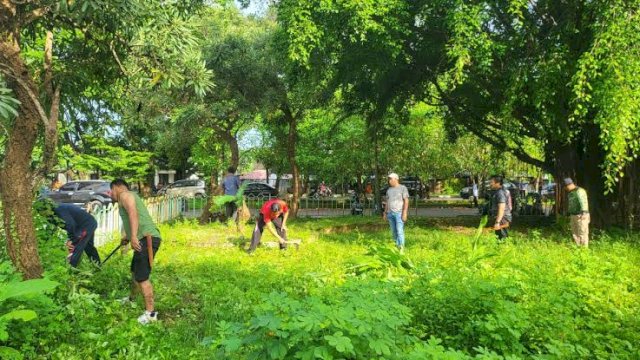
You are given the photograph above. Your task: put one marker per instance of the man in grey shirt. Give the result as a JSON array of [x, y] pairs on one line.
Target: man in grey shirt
[[396, 209], [230, 185], [501, 206]]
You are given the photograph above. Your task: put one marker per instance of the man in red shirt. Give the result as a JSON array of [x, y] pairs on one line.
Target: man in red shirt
[[273, 215]]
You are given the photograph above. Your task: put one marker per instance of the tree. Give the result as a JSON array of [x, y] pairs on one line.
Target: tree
[[251, 81], [114, 161], [49, 48], [510, 72]]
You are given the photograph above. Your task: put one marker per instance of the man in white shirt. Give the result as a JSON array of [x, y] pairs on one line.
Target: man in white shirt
[[396, 209]]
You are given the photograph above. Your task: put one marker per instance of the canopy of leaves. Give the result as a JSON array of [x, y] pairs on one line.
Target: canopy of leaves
[[114, 161], [509, 71]]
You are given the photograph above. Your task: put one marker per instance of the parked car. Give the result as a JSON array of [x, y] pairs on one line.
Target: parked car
[[466, 191], [260, 189], [90, 193], [414, 185], [187, 188], [548, 191]]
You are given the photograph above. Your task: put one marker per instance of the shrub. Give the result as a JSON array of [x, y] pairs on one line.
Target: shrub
[[357, 321], [13, 292]]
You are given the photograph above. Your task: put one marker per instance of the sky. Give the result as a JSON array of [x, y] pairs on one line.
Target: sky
[[256, 7]]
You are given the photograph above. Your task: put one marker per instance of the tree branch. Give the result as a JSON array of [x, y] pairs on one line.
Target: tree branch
[[477, 125], [51, 134], [48, 64], [33, 15], [32, 96], [9, 6], [117, 58]]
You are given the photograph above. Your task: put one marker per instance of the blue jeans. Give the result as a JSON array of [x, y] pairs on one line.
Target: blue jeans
[[397, 227]]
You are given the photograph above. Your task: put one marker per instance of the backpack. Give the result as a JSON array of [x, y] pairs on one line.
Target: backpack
[[509, 205]]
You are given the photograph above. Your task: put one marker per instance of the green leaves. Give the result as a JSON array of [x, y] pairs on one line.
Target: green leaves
[[383, 262], [19, 291], [8, 104], [340, 342], [357, 320], [527, 301], [23, 315], [115, 161], [606, 88], [380, 346], [24, 288]]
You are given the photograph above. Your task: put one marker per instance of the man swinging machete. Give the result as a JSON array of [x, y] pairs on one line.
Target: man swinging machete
[[144, 236]]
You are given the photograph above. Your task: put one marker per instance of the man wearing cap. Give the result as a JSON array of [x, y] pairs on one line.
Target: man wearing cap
[[396, 209], [578, 212], [273, 215]]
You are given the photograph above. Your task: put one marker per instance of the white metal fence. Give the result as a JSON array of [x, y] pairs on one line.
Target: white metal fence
[[161, 209]]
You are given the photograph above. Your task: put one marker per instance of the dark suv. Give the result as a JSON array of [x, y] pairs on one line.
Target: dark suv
[[260, 189], [91, 193]]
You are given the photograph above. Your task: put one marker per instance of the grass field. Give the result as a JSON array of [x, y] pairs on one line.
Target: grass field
[[346, 294]]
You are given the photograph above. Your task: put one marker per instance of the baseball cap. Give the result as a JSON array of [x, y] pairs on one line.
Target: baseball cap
[[393, 176], [568, 181]]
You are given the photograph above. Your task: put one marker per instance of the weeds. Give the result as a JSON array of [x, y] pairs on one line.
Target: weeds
[[347, 294]]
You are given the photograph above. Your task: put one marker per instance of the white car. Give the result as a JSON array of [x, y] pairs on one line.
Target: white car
[[186, 188]]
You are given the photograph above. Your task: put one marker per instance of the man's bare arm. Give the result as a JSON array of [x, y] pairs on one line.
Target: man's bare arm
[[272, 229], [129, 203]]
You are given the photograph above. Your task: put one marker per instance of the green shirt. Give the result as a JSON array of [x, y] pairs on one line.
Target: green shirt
[[146, 226], [578, 202]]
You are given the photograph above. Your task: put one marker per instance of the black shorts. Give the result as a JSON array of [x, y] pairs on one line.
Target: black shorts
[[140, 262]]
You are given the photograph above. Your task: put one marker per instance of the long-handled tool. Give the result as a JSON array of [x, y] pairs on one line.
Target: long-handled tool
[[111, 254]]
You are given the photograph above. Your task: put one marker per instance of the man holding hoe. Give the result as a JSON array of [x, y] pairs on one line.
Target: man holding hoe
[[145, 240], [273, 215]]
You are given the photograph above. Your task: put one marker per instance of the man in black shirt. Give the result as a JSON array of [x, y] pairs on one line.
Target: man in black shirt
[[500, 207], [80, 227]]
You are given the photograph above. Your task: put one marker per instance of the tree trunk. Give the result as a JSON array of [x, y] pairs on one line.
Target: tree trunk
[[16, 177], [580, 161], [291, 156], [378, 172], [591, 179], [564, 167], [629, 196], [277, 184], [206, 215], [232, 141]]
